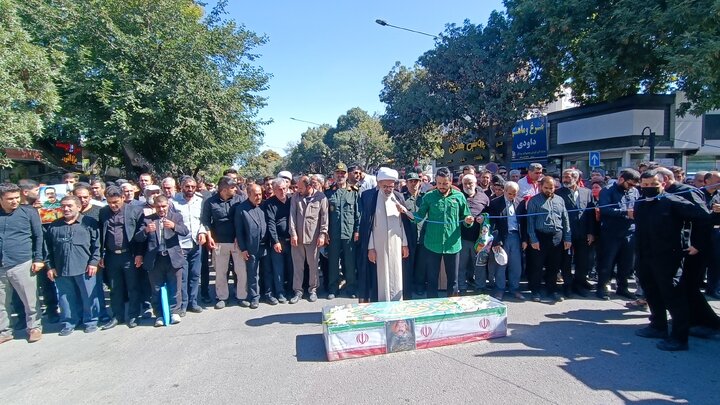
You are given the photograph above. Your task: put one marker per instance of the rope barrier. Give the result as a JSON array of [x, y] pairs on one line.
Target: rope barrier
[[615, 205]]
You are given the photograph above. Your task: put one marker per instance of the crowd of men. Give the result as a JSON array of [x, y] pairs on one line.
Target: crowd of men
[[371, 237]]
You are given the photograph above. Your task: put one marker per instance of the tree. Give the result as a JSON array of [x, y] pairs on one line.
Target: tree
[[311, 154], [408, 115], [359, 138], [605, 49], [28, 98], [154, 76], [265, 164], [476, 83]]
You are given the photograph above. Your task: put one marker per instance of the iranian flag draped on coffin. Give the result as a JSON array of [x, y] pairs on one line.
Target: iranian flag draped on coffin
[[358, 330]]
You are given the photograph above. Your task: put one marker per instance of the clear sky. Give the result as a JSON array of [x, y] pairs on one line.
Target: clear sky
[[329, 56]]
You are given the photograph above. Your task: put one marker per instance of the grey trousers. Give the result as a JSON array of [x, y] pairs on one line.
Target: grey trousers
[[300, 254], [18, 277]]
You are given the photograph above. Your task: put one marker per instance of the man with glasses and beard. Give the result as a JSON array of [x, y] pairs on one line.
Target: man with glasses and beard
[[308, 233], [617, 234], [189, 204]]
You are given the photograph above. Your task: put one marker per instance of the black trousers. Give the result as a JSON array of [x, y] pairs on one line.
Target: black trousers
[[620, 251], [205, 272], [452, 264], [124, 285], [701, 313], [581, 257], [657, 278], [548, 257], [165, 274]]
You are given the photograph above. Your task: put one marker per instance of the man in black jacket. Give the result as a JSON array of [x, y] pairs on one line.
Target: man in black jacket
[[617, 230], [659, 219], [697, 246], [164, 258], [507, 234], [121, 257], [581, 213], [21, 255], [73, 253], [277, 211]]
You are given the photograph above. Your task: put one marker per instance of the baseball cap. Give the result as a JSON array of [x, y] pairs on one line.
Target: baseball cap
[[341, 167], [412, 176]]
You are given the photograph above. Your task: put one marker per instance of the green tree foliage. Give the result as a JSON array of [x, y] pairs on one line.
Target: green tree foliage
[[407, 115], [358, 138], [605, 49], [155, 76], [476, 83], [28, 97], [310, 154], [267, 163]]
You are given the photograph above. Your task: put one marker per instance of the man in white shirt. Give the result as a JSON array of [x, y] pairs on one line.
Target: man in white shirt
[[529, 185], [189, 204]]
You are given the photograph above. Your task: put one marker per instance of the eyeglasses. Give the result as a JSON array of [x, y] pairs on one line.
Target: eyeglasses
[[502, 173]]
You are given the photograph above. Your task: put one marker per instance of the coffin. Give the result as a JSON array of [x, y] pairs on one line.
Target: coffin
[[358, 330]]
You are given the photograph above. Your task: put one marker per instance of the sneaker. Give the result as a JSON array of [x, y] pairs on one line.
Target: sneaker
[[196, 309], [519, 296], [147, 314], [557, 297], [159, 322], [536, 297], [498, 296], [182, 313], [281, 299], [220, 304], [296, 297], [66, 331], [331, 296], [271, 300], [34, 335], [175, 318], [91, 329], [254, 305], [244, 303], [651, 333], [312, 297]]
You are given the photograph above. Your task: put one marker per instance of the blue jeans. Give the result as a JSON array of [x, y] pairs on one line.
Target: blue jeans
[[191, 277], [512, 247], [78, 300]]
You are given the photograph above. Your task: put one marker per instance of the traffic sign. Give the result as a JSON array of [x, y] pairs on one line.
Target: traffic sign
[[594, 159]]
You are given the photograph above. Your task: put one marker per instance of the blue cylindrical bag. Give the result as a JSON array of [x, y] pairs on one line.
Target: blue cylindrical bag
[[165, 305]]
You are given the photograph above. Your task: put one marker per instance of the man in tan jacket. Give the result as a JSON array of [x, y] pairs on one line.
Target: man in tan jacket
[[308, 233]]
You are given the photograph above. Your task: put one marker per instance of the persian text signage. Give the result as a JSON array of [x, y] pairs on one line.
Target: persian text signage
[[530, 139]]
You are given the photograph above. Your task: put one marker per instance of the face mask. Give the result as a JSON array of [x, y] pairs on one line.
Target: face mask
[[650, 192]]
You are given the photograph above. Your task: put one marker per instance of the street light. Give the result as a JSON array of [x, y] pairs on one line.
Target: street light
[[650, 141], [308, 122], [385, 24]]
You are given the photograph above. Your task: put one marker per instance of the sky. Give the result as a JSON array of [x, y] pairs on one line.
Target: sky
[[326, 57]]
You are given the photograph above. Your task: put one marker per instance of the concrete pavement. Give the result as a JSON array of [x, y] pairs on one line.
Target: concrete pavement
[[576, 351]]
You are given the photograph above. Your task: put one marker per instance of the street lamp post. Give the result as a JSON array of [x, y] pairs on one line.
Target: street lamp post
[[650, 141], [385, 24], [307, 122]]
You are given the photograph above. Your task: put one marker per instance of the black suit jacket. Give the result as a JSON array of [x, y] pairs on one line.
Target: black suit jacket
[[499, 226], [172, 240], [133, 218], [581, 214], [251, 229]]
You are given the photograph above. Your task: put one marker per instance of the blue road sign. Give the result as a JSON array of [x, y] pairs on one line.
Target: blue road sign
[[594, 159]]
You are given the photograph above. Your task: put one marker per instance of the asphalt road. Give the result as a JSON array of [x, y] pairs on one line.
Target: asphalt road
[[573, 352]]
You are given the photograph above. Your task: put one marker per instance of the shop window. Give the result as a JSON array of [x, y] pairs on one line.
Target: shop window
[[711, 127]]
